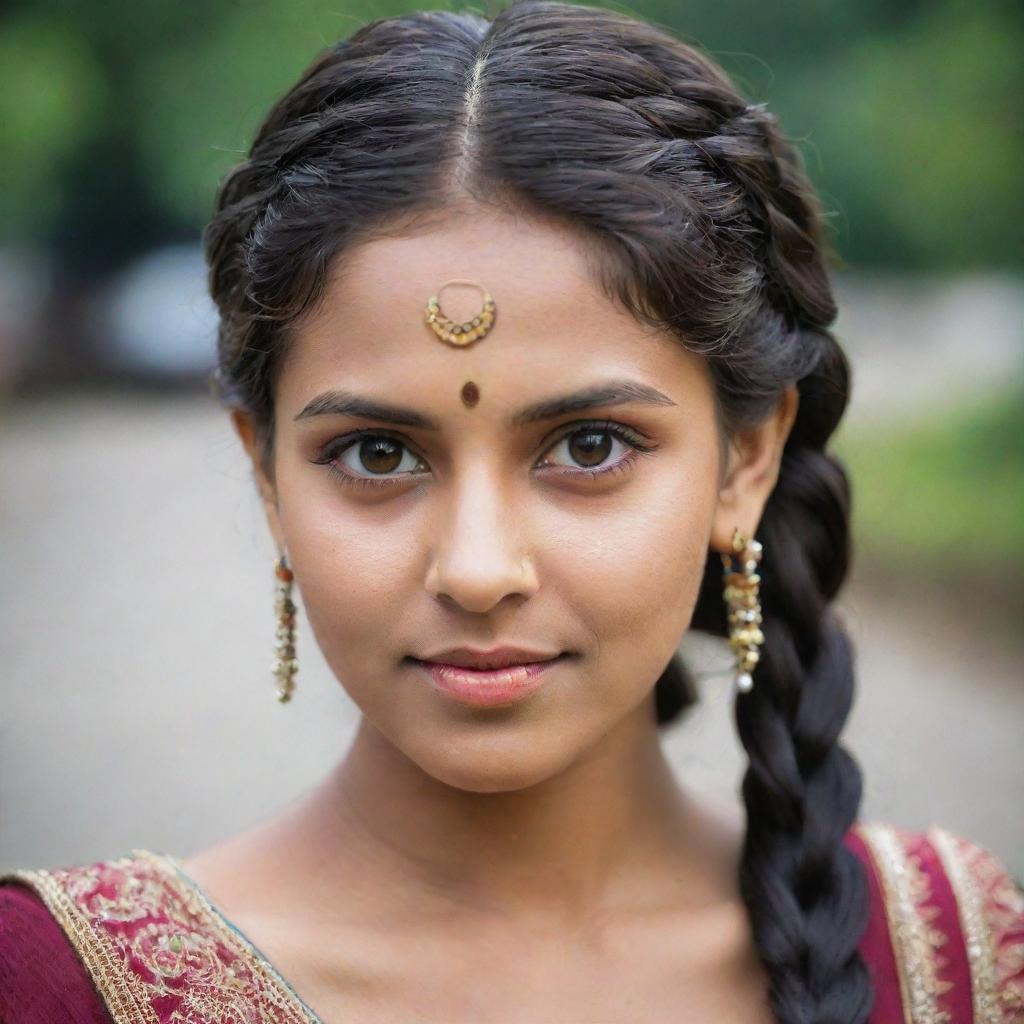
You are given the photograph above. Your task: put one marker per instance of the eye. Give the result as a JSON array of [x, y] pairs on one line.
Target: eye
[[375, 459], [369, 458], [588, 448]]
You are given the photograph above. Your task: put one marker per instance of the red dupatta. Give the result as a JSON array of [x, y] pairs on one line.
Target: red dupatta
[[944, 944]]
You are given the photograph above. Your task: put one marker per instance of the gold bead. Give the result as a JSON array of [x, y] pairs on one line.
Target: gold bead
[[740, 590]]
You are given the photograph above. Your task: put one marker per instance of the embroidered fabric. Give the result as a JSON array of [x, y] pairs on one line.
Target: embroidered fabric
[[157, 951], [955, 921], [991, 905], [135, 941]]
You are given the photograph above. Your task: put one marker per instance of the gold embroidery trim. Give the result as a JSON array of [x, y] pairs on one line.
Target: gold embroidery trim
[[126, 995], [122, 992], [981, 956], [284, 996], [906, 889]]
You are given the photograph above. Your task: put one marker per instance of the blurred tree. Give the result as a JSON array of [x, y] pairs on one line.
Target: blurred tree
[[117, 120], [921, 137], [52, 96]]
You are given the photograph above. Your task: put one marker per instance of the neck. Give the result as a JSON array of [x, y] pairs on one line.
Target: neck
[[609, 831]]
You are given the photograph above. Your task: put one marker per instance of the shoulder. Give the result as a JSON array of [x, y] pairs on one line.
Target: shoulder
[[42, 978], [143, 935], [952, 915], [61, 930]]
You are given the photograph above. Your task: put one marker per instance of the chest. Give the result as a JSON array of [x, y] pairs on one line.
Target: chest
[[487, 982], [605, 1000]]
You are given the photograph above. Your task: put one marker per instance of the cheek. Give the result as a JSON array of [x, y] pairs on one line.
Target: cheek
[[354, 571], [633, 576]]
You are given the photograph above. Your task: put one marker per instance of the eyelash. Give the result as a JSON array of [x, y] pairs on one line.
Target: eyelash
[[337, 447]]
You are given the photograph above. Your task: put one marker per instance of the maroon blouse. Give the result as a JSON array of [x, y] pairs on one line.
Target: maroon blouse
[[42, 981]]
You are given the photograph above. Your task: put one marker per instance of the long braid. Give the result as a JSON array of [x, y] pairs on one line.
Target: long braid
[[802, 790], [805, 890]]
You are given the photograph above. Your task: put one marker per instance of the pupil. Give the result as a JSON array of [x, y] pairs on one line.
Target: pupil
[[379, 454], [590, 449]]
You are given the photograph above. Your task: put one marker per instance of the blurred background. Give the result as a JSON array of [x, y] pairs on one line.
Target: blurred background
[[136, 591]]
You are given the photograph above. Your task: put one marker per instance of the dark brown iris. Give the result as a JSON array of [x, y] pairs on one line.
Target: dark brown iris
[[380, 454], [590, 448]]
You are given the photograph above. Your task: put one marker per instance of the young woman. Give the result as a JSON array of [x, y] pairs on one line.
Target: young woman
[[525, 328]]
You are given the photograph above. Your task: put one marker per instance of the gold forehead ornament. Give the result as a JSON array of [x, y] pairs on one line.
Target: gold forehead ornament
[[460, 334]]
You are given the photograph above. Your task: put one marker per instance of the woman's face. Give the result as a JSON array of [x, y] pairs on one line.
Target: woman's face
[[581, 533]]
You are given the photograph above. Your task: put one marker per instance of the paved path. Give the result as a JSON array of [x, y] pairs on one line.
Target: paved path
[[136, 707]]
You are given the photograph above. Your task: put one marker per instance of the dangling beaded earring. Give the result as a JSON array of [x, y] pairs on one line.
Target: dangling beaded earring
[[740, 592], [285, 666]]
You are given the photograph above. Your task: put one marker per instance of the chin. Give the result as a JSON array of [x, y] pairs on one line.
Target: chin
[[495, 767]]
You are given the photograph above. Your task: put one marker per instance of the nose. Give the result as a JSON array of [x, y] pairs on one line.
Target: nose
[[478, 556]]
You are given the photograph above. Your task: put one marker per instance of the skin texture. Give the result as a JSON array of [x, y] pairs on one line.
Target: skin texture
[[534, 862]]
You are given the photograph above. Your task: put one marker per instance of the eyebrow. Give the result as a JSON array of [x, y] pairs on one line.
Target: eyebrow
[[615, 392]]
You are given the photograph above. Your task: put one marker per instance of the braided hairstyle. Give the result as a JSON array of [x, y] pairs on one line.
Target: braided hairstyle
[[701, 222]]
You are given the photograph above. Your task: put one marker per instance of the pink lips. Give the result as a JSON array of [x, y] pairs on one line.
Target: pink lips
[[488, 687]]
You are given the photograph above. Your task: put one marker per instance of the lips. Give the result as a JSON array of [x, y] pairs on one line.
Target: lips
[[490, 687], [496, 658]]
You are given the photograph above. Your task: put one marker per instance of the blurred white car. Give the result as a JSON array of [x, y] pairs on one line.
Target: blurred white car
[[159, 318]]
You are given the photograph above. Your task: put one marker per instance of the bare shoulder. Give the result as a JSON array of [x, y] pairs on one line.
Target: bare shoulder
[[234, 871]]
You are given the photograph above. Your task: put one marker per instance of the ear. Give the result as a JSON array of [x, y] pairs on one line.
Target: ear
[[755, 456], [246, 430]]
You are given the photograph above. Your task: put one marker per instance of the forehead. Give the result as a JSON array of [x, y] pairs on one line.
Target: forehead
[[553, 325]]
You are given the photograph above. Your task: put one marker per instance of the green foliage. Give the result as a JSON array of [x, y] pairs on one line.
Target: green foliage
[[921, 139], [948, 490], [117, 120], [51, 97], [204, 101]]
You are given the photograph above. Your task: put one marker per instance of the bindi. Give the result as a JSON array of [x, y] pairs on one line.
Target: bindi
[[470, 394]]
